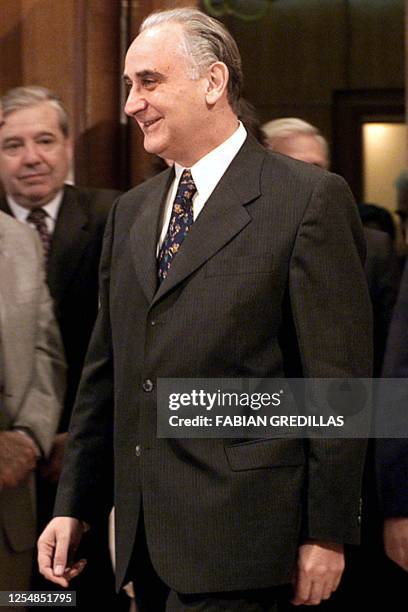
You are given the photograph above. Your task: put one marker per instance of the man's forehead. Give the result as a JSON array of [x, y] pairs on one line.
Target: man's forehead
[[35, 117], [162, 40]]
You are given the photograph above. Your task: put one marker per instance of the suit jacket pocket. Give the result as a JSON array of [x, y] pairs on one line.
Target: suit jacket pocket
[[265, 453], [251, 264]]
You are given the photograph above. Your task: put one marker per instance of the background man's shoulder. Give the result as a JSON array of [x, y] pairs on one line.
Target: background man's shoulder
[[16, 230], [21, 247], [156, 186], [96, 202]]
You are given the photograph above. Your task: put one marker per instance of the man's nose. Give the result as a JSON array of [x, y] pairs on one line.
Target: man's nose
[[31, 153], [134, 103]]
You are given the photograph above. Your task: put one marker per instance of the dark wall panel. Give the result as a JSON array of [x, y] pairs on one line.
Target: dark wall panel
[[302, 51], [376, 44]]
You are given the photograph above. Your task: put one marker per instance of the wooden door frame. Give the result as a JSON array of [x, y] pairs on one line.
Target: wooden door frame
[[351, 109]]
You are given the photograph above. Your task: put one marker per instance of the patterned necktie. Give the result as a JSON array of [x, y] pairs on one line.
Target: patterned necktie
[[180, 222], [37, 217]]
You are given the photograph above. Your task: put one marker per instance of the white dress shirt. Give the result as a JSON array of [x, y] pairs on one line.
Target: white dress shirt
[[206, 173], [21, 213]]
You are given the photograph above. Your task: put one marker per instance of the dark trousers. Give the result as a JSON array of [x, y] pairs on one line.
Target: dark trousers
[[153, 595]]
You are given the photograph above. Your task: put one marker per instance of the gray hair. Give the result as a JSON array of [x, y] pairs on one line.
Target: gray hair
[[290, 126], [207, 41], [25, 97]]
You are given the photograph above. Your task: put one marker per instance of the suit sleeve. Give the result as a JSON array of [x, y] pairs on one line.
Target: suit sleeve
[[85, 489], [332, 316], [43, 402]]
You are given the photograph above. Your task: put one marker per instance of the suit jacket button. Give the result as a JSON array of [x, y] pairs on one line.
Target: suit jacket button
[[148, 385], [138, 450]]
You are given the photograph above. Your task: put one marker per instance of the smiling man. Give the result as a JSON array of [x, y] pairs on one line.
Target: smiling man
[[237, 262]]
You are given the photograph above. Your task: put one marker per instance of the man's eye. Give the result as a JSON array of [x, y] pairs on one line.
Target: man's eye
[[148, 83], [11, 146], [45, 141]]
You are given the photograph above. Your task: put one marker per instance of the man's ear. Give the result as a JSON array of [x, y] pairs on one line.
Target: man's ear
[[217, 80]]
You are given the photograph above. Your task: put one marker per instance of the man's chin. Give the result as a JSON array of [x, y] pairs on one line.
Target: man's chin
[[32, 198], [37, 194], [153, 146]]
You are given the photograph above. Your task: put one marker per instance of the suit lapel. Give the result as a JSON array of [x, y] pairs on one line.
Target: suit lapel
[[223, 217], [144, 235], [4, 206], [71, 235]]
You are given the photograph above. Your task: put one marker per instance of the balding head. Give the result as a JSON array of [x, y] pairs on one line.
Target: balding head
[[298, 139]]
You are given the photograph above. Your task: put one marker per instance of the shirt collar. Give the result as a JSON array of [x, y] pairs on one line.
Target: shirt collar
[[207, 172], [21, 213]]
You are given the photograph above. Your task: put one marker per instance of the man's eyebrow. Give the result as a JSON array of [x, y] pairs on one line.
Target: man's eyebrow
[[158, 76], [10, 138], [37, 135], [45, 133]]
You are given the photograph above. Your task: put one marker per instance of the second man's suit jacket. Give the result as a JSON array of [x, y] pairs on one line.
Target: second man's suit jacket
[[268, 282], [33, 366]]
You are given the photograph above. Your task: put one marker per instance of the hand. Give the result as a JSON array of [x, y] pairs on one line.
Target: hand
[[396, 540], [57, 546], [50, 469], [319, 569], [18, 457]]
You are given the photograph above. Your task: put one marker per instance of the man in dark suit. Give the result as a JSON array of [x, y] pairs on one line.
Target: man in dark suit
[[236, 263], [35, 160], [392, 455], [392, 459]]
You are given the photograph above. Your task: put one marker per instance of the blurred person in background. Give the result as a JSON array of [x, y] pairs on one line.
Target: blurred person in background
[[32, 384], [301, 140], [401, 185], [36, 151], [296, 138], [392, 462]]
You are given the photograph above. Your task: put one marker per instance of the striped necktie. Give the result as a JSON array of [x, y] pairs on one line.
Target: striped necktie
[[37, 217]]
